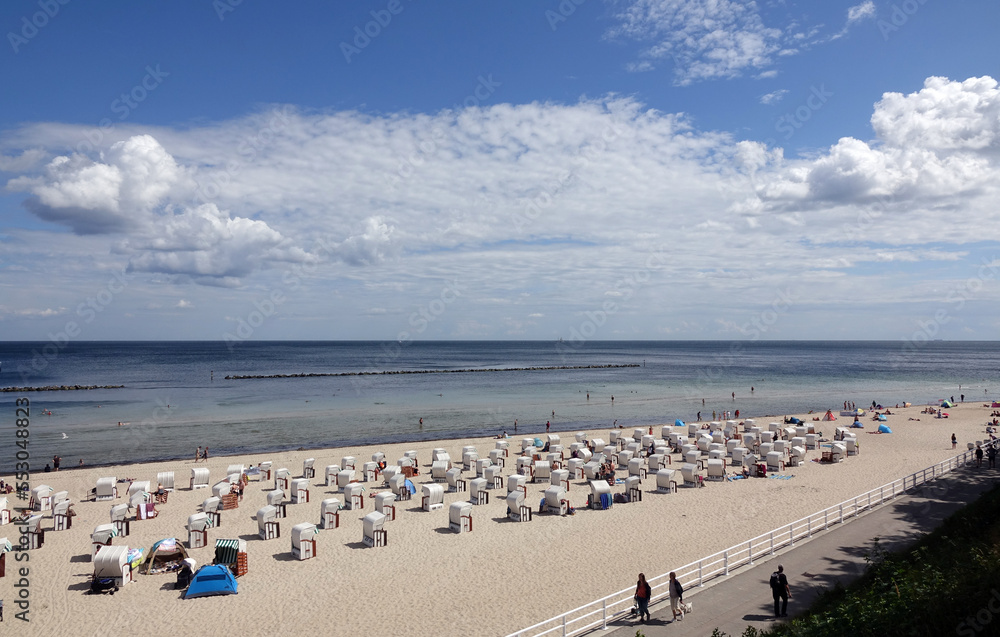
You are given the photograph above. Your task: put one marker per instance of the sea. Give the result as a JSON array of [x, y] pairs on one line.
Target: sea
[[175, 396]]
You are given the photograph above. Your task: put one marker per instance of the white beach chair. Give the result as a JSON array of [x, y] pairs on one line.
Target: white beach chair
[[580, 436], [220, 489], [460, 517], [354, 497], [517, 482], [693, 457], [527, 444], [715, 470], [635, 468], [575, 467], [812, 441], [766, 436], [838, 451], [656, 462], [789, 433], [738, 454], [477, 491], [591, 469], [101, 537], [432, 497], [268, 527], [690, 474], [197, 527], [165, 479], [398, 486], [524, 466], [454, 479], [119, 518], [615, 438], [300, 491], [62, 517], [851, 443], [346, 477], [265, 469], [212, 507], [308, 471], [282, 479], [494, 477], [597, 445], [112, 563], [599, 497], [439, 469], [348, 462], [765, 448], [497, 457], [378, 457], [481, 465], [374, 533], [517, 510], [782, 446], [106, 489], [304, 540], [633, 489], [469, 459], [665, 481], [330, 475], [775, 461], [541, 470], [796, 456], [389, 472], [555, 500], [693, 428], [329, 513], [385, 503], [560, 478], [369, 472], [623, 458]]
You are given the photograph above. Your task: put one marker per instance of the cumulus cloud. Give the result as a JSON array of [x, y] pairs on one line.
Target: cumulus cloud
[[773, 97]]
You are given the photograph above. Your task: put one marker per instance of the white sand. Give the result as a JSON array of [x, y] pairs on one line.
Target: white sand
[[501, 577]]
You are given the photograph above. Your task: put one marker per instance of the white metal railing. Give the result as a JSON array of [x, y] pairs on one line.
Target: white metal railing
[[599, 613]]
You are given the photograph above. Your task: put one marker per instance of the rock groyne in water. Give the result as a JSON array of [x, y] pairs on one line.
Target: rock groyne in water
[[429, 371]]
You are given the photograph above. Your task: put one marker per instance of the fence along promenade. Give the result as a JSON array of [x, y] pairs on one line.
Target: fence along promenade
[[597, 614]]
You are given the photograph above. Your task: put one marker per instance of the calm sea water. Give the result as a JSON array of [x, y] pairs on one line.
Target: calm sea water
[[173, 403]]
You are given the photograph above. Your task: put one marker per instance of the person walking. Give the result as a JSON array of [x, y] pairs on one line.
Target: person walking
[[979, 456], [780, 592], [642, 594], [204, 454], [676, 596], [991, 455], [197, 454], [954, 441]]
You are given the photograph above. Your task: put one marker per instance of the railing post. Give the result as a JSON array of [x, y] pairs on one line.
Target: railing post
[[725, 561], [791, 536], [841, 513], [700, 581], [809, 527], [772, 542], [750, 552], [564, 626], [869, 500], [826, 514], [604, 604]]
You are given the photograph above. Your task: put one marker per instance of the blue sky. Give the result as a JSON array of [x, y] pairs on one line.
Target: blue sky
[[585, 169]]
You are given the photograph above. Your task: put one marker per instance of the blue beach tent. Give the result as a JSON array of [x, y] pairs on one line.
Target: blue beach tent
[[948, 404], [539, 443], [884, 429], [678, 423], [410, 486], [882, 417], [212, 579]]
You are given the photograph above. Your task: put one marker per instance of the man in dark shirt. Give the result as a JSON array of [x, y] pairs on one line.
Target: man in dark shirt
[[779, 591]]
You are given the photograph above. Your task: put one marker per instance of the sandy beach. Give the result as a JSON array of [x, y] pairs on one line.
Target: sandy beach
[[501, 577]]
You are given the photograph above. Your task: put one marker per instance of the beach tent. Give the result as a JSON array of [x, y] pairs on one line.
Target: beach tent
[[884, 429], [164, 556], [947, 403], [539, 443], [882, 418], [211, 579], [829, 416], [678, 423]]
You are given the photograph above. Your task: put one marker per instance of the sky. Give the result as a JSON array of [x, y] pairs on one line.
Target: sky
[[579, 169]]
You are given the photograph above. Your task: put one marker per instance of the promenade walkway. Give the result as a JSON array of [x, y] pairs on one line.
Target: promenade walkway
[[837, 554]]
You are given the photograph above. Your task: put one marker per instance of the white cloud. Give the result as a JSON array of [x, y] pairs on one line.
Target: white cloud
[[860, 12], [707, 39], [773, 97], [185, 304]]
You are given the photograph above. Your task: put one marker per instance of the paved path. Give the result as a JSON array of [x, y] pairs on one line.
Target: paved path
[[744, 598]]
